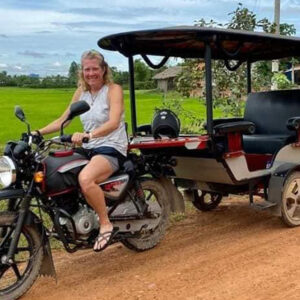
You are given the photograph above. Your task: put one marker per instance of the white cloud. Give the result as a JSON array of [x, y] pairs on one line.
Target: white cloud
[[18, 68], [3, 65], [17, 22], [57, 64]]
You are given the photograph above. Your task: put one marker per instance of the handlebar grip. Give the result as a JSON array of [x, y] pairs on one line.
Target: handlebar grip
[[66, 138]]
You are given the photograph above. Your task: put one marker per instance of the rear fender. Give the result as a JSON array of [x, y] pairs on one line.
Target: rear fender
[[276, 183]]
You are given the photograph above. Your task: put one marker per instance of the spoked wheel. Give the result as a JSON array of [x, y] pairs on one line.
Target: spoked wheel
[[290, 208], [206, 201], [17, 278], [159, 206]]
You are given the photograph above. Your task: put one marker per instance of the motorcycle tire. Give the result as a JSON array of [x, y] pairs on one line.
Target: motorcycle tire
[[149, 240], [27, 267]]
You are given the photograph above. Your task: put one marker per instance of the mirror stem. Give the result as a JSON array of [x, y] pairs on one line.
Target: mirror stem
[[28, 128], [62, 127]]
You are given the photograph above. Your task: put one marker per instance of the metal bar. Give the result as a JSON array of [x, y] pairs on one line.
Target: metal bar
[[23, 212], [132, 95], [249, 87], [208, 83], [275, 63]]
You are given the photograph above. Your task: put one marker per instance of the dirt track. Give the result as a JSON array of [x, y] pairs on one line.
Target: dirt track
[[233, 252]]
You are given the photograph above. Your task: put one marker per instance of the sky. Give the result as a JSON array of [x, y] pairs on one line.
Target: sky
[[45, 36]]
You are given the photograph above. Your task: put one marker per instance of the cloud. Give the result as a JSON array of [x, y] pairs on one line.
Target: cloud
[[57, 64], [36, 54], [32, 54], [43, 32], [111, 26], [3, 65], [19, 68], [3, 36], [116, 12]]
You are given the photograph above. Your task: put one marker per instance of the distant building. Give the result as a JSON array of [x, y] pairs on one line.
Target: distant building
[[289, 74], [166, 79], [33, 75]]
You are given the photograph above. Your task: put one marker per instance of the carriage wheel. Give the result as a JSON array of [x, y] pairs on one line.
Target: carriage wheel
[[206, 201], [290, 208]]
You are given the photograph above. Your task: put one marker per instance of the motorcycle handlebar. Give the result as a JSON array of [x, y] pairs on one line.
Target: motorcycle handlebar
[[67, 138]]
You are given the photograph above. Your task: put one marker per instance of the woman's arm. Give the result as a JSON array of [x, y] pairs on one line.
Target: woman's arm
[[55, 125]]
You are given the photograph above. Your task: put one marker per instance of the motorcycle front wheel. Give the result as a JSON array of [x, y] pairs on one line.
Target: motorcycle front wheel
[[18, 277], [157, 200]]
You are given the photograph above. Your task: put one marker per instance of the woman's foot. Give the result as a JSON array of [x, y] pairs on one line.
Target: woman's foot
[[104, 237]]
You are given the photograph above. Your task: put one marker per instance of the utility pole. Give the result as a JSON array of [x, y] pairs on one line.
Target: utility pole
[[275, 63]]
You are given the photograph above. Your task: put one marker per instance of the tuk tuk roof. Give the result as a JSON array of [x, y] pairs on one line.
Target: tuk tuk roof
[[189, 42]]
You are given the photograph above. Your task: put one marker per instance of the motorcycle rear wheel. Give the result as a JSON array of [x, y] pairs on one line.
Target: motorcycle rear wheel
[[156, 196], [17, 278]]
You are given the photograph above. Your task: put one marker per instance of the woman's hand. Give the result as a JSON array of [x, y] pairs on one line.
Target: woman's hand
[[78, 136]]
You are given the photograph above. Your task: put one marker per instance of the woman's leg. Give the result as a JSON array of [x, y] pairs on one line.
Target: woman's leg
[[96, 171]]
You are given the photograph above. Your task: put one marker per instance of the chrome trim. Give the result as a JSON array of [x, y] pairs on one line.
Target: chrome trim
[[73, 164]]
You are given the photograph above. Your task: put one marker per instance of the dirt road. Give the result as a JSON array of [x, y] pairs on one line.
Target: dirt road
[[233, 252]]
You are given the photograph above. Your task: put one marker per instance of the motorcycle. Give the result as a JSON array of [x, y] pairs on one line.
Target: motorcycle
[[39, 181]]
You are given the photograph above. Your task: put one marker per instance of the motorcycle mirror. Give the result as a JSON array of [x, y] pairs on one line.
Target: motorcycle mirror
[[19, 113], [77, 109]]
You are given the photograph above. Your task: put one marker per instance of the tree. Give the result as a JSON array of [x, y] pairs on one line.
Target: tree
[[230, 86], [141, 71], [73, 73], [120, 77]]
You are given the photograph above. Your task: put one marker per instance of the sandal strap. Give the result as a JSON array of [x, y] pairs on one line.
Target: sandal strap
[[105, 236]]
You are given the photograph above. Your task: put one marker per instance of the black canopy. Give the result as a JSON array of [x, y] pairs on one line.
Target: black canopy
[[189, 42]]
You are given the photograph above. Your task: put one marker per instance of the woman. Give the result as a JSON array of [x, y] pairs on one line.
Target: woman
[[104, 126]]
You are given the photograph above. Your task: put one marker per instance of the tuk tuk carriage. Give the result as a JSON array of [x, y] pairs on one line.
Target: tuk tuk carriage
[[257, 154]]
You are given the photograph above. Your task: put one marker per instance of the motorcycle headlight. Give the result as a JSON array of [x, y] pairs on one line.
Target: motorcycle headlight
[[7, 172]]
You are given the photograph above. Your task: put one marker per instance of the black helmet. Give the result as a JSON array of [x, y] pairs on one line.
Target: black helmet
[[165, 122]]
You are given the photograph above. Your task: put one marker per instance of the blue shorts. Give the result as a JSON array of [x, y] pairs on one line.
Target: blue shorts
[[115, 158]]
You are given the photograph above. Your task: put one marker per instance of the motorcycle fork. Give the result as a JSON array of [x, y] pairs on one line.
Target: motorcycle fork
[[22, 214]]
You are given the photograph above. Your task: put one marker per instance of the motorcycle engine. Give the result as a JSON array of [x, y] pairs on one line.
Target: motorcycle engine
[[85, 220]]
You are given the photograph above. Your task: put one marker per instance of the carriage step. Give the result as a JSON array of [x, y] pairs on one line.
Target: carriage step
[[263, 205]]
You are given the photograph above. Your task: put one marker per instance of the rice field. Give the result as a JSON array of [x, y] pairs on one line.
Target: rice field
[[41, 106]]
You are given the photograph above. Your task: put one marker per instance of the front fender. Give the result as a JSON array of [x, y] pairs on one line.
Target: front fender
[[47, 267]]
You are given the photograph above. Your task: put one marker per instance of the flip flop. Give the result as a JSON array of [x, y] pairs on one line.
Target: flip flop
[[106, 236]]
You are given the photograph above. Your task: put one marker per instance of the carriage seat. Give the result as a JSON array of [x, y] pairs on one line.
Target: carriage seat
[[270, 111]]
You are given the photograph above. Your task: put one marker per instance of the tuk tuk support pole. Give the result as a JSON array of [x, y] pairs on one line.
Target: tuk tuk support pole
[[208, 85], [249, 77], [132, 95]]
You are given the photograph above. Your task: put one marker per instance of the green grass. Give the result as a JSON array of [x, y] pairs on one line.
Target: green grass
[[41, 106]]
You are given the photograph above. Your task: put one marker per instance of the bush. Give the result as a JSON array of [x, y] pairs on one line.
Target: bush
[[144, 85], [281, 81]]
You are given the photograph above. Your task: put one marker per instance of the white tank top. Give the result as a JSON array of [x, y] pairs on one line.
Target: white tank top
[[96, 116]]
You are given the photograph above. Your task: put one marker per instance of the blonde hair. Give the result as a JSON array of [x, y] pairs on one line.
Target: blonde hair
[[94, 54]]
